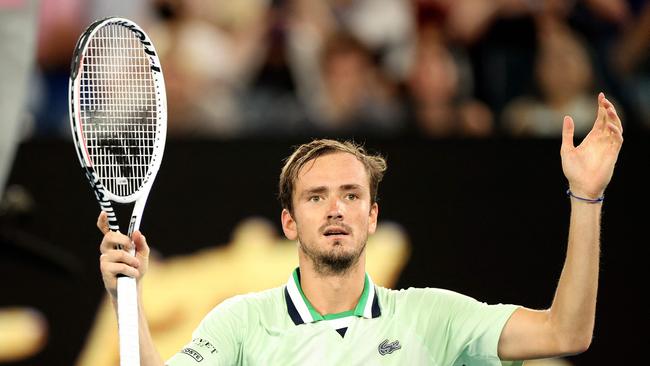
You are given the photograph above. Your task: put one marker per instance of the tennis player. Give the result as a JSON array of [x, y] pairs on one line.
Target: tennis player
[[330, 312]]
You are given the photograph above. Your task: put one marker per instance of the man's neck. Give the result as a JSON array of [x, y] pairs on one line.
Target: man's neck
[[331, 294]]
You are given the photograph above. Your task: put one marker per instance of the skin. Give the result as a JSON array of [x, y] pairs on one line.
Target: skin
[[332, 193], [567, 326]]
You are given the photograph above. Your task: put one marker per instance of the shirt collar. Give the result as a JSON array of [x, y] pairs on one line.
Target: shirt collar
[[301, 311]]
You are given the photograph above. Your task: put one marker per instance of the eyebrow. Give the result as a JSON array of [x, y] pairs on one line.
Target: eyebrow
[[314, 190], [323, 189], [350, 187]]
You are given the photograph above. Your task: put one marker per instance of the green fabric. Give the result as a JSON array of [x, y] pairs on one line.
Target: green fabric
[[432, 327]]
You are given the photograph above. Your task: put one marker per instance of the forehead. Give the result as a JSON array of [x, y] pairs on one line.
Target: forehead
[[332, 169]]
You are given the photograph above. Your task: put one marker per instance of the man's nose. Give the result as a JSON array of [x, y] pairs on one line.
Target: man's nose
[[335, 209]]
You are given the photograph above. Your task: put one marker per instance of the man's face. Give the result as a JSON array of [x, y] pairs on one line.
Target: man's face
[[332, 213]]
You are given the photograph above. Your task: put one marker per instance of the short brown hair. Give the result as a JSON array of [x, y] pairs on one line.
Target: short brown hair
[[375, 166]]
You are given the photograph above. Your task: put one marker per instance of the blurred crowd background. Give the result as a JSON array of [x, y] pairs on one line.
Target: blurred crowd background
[[368, 68], [288, 70]]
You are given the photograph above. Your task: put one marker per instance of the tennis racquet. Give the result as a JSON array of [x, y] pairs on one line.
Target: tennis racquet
[[118, 116]]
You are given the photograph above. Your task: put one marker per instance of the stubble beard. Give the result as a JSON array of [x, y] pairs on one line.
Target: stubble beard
[[331, 262]]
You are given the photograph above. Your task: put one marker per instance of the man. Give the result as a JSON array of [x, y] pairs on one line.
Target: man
[[330, 313]]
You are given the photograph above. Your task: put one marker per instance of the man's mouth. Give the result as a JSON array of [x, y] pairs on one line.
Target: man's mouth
[[335, 231]]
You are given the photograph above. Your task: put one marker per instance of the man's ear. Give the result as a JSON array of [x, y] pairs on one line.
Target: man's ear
[[289, 225], [374, 214]]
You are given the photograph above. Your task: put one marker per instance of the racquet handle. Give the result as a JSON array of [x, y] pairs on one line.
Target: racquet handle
[[127, 322]]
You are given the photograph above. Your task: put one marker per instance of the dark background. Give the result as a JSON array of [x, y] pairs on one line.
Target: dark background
[[487, 218]]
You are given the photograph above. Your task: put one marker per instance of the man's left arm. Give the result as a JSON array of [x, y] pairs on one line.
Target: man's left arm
[[567, 326]]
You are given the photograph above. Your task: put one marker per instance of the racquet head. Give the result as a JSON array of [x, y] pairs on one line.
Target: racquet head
[[118, 108]]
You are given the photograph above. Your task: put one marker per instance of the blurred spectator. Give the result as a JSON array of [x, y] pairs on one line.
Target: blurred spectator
[[341, 67], [138, 11], [439, 85], [564, 78], [59, 29], [17, 47], [356, 96], [599, 23], [339, 53], [384, 27], [500, 39], [60, 25], [270, 104], [207, 59], [632, 63], [603, 23]]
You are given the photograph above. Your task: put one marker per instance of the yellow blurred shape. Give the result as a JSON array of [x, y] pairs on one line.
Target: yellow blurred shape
[[23, 332]]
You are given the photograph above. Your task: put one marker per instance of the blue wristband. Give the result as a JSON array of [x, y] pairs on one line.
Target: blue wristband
[[589, 200]]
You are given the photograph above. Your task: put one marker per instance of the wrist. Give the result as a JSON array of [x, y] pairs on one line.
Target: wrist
[[585, 192], [584, 197]]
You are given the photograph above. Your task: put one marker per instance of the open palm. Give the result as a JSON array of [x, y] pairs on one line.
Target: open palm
[[589, 166]]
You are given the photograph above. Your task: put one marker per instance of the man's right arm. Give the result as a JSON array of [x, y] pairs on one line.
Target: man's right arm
[[118, 261]]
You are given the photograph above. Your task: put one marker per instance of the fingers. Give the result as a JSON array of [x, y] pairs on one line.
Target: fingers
[[113, 240], [118, 255], [118, 258], [601, 112], [140, 242], [606, 114], [616, 131], [117, 262], [567, 134], [611, 116], [102, 222]]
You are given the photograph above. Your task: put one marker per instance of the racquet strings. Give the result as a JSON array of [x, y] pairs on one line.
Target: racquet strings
[[117, 106]]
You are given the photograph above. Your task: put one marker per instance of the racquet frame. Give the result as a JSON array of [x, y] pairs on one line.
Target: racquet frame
[[127, 303]]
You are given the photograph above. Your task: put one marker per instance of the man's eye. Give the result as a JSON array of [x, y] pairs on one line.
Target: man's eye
[[314, 198], [351, 196]]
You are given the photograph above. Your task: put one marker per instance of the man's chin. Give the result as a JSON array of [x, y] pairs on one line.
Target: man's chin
[[336, 264], [338, 257], [338, 260]]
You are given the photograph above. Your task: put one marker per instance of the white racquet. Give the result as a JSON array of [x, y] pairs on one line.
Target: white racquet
[[118, 115]]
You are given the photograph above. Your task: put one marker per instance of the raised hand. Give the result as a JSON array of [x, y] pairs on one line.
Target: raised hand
[[589, 166], [118, 261]]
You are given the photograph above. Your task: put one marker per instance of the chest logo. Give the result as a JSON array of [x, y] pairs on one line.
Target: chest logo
[[386, 347]]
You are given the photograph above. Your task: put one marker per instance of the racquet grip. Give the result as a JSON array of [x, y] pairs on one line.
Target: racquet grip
[[127, 321]]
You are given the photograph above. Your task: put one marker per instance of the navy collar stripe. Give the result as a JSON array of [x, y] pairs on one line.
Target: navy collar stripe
[[291, 309], [376, 311], [294, 300]]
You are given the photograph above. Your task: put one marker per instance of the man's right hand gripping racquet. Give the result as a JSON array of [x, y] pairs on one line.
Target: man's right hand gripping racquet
[[118, 116]]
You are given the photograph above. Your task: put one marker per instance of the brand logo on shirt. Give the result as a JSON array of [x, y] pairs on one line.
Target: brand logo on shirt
[[386, 348], [192, 353], [204, 343]]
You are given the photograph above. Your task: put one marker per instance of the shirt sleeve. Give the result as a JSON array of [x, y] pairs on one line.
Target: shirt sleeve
[[467, 330], [217, 339], [476, 328]]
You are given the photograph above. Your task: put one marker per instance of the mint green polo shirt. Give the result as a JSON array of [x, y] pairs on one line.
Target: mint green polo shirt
[[387, 327]]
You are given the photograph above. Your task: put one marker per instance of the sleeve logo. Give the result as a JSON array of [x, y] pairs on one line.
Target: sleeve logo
[[192, 353], [204, 344]]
